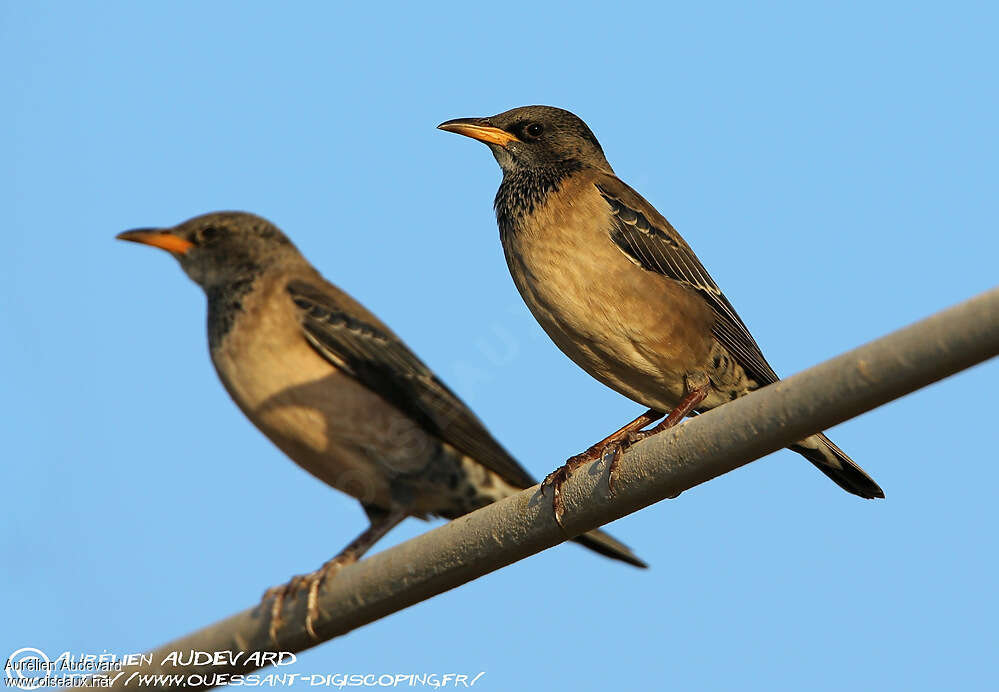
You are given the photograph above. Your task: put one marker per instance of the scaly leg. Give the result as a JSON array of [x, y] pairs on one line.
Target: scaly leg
[[556, 478], [381, 523], [683, 409]]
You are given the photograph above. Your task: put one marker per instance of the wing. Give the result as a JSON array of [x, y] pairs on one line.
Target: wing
[[358, 344], [649, 239]]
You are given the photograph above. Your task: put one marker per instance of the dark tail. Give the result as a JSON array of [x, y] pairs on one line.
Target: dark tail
[[833, 461], [605, 544]]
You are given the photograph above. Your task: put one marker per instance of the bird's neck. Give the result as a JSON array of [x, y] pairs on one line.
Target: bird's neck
[[525, 189], [225, 303]]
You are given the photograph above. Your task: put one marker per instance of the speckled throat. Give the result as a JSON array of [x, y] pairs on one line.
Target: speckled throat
[[225, 302], [525, 189]]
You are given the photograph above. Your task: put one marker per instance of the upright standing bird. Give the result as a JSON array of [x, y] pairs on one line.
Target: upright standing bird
[[618, 290], [337, 391]]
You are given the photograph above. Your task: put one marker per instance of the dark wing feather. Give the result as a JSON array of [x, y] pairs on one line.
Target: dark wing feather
[[649, 239], [366, 350]]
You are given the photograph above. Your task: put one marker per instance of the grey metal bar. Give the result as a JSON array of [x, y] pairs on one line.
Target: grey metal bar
[[660, 467]]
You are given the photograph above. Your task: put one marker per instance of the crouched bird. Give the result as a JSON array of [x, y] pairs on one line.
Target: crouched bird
[[618, 290], [337, 391]]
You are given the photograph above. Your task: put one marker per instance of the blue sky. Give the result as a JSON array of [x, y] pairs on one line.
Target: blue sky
[[834, 167]]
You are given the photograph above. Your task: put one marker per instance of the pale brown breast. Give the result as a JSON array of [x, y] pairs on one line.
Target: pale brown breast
[[637, 332], [323, 419]]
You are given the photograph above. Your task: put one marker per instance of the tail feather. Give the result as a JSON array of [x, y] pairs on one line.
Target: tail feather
[[841, 469], [605, 544]]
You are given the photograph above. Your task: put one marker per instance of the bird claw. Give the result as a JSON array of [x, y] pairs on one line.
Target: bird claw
[[612, 471], [554, 480], [619, 449], [277, 595], [559, 476], [310, 583]]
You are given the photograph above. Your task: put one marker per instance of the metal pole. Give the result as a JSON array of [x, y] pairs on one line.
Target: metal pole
[[662, 466]]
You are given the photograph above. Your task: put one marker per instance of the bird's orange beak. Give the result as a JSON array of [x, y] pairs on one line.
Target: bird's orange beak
[[480, 129], [156, 237]]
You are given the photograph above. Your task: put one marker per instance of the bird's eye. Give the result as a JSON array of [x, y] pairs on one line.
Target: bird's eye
[[534, 129], [207, 234]]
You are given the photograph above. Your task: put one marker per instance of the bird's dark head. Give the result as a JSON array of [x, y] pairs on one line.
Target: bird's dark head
[[222, 247], [534, 137]]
